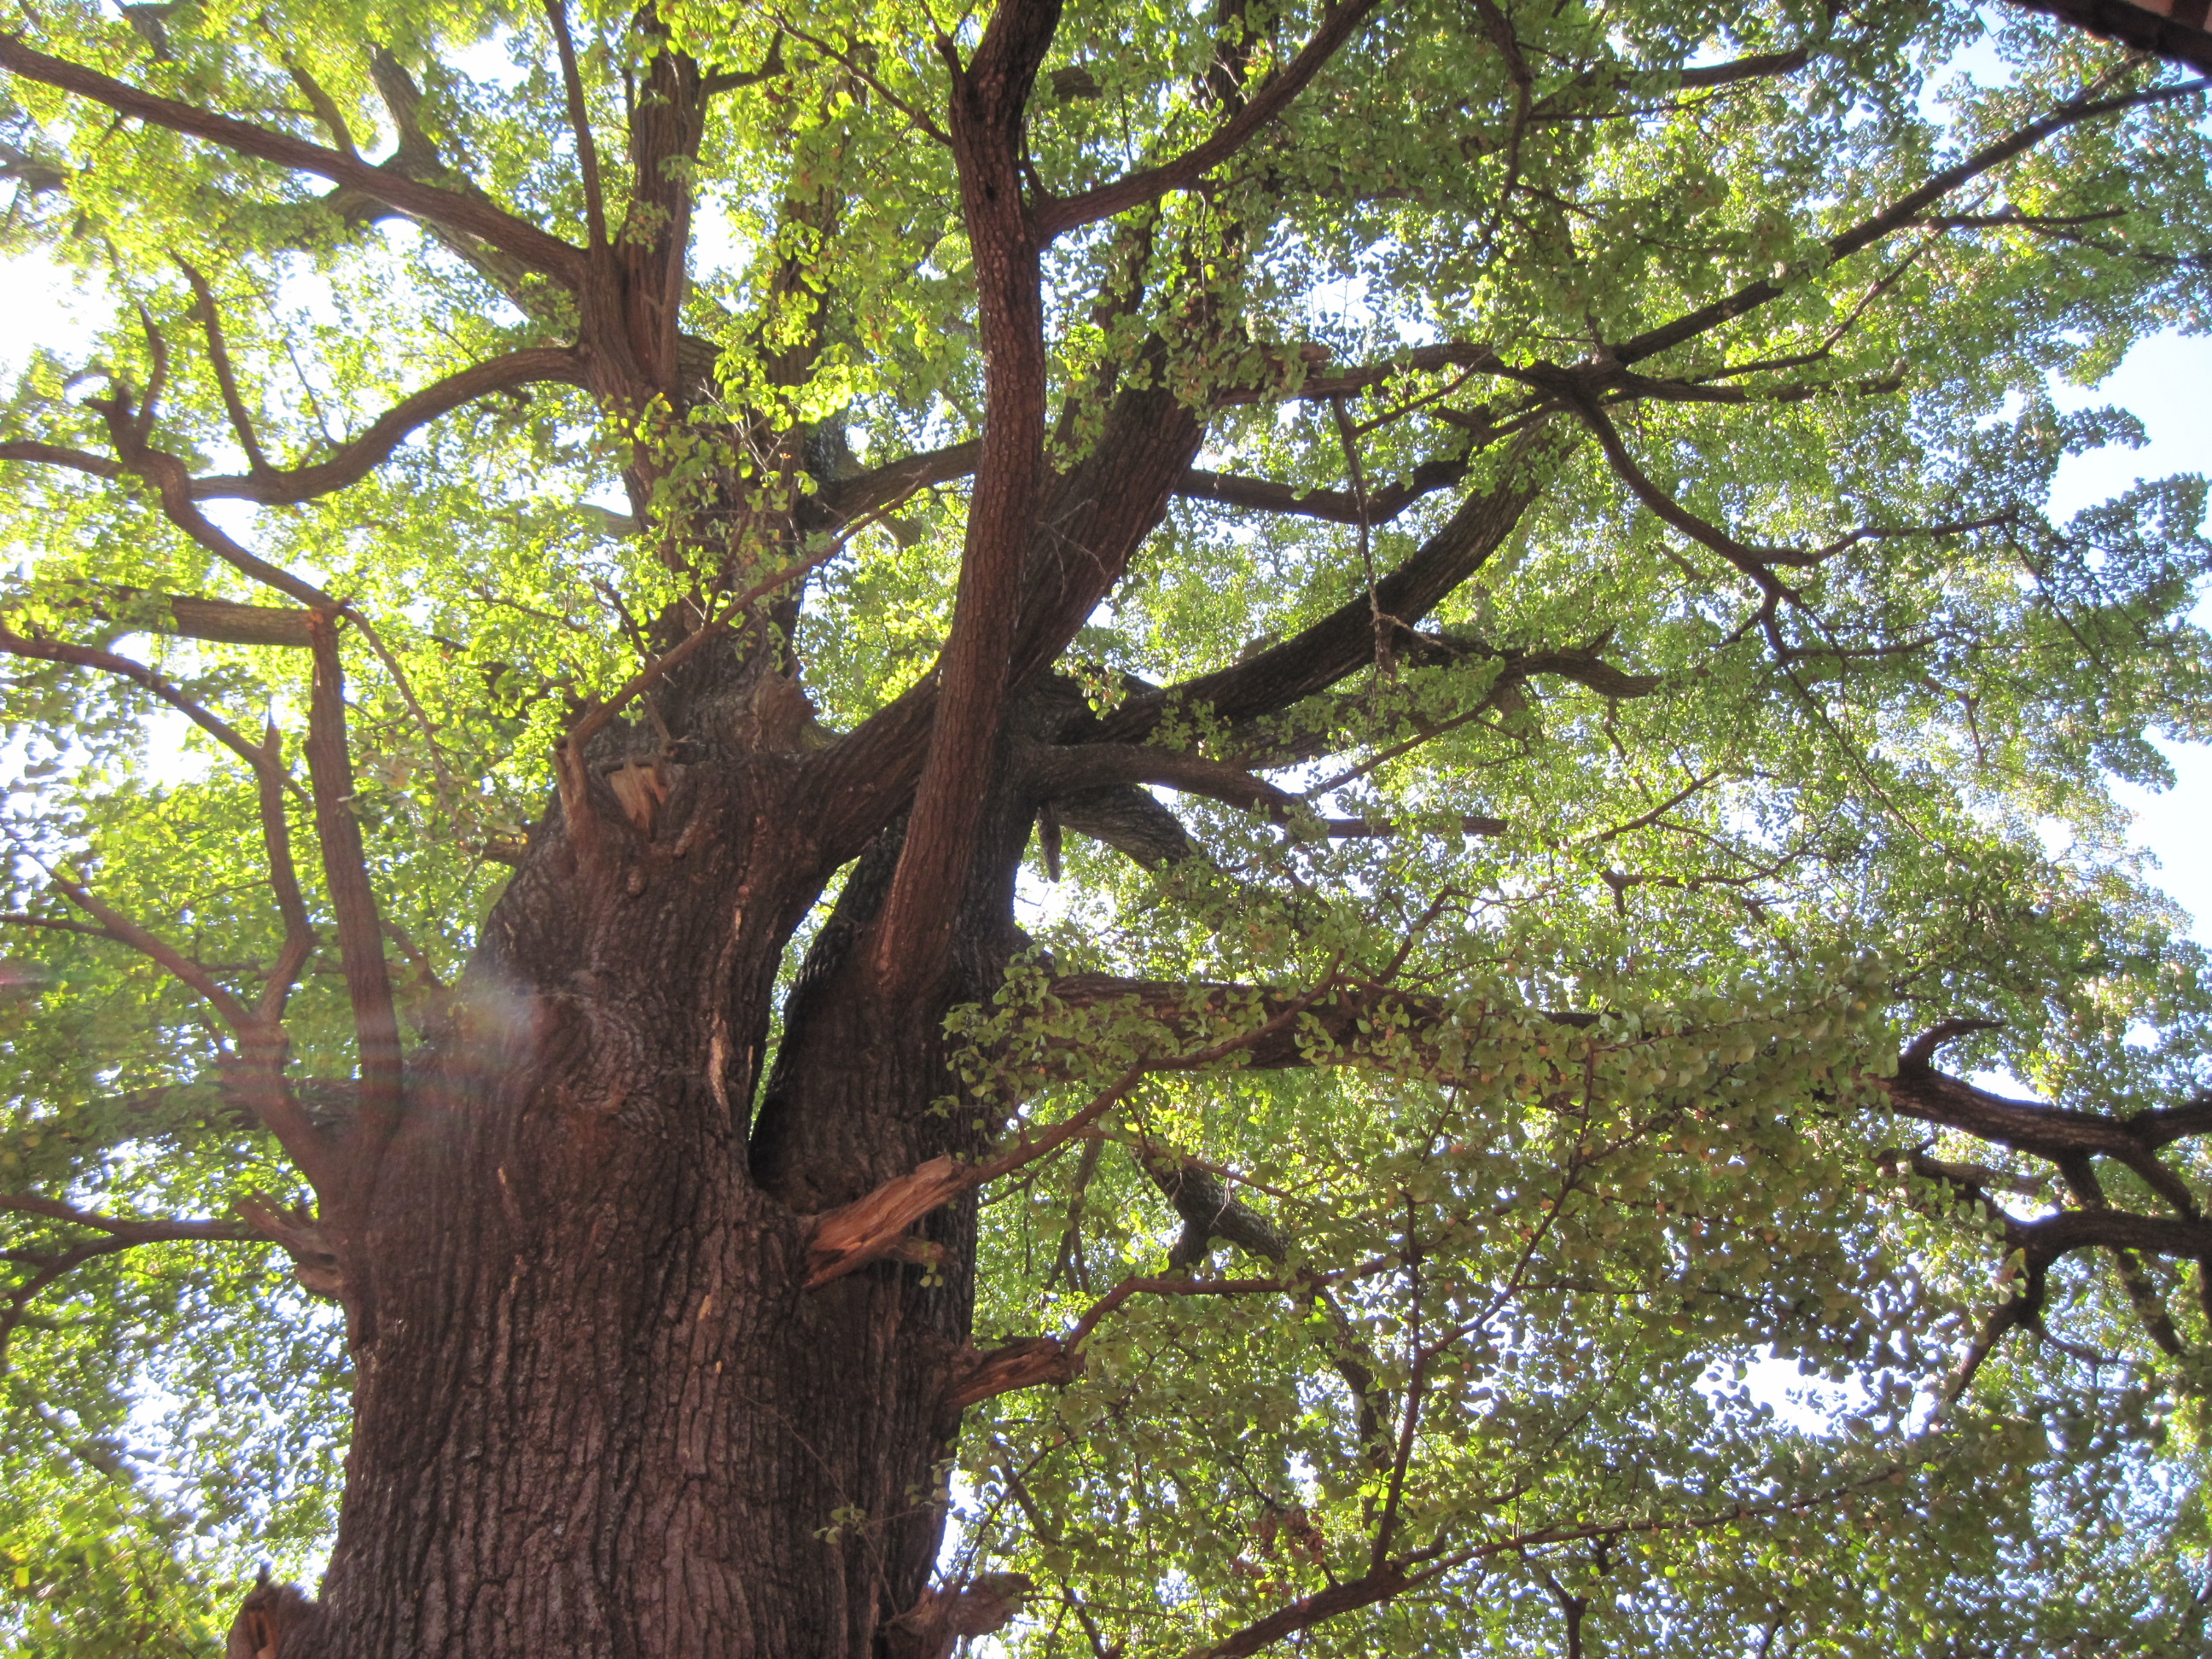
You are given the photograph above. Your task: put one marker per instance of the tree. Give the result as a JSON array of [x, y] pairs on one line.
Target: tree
[[564, 629]]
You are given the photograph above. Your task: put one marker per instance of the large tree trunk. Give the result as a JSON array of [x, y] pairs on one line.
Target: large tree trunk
[[597, 1413]]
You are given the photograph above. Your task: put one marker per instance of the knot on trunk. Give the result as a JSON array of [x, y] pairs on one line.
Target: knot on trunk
[[933, 1626], [779, 718], [1021, 1365], [314, 1263], [268, 1615]]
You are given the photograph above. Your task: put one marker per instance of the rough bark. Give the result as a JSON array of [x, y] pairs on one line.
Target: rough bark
[[597, 1411], [606, 1403], [599, 1408]]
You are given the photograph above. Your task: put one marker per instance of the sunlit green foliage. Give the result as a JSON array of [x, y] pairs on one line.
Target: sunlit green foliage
[[1814, 829]]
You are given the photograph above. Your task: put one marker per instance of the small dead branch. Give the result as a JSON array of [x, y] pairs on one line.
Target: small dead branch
[[269, 1613], [870, 1226], [1024, 1364], [934, 1626]]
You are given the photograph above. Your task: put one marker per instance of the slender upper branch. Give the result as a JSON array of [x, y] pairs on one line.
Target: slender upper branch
[[2053, 1132], [901, 477], [1066, 213], [1757, 67], [1317, 387], [579, 122], [353, 899], [167, 475], [242, 424], [1344, 642], [1063, 770], [1334, 506], [224, 622], [300, 941], [180, 967], [85, 656], [357, 457], [253, 1074], [272, 781], [100, 466], [1385, 1582], [1899, 213], [116, 1234], [128, 426], [1756, 562], [470, 216], [894, 480], [56, 924], [1421, 1566], [130, 1229]]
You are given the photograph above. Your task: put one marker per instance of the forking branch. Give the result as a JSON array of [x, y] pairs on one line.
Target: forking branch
[[254, 1065], [469, 215], [1902, 213], [1057, 215], [351, 461], [114, 1234], [273, 785], [353, 902]]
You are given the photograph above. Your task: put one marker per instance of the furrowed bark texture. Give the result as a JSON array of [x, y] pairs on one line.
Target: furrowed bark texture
[[596, 1413], [599, 1413]]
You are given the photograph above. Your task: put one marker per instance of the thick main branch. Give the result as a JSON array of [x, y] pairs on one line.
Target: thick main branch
[[989, 99]]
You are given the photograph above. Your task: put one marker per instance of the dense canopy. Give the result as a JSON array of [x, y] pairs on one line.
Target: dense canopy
[[1168, 827]]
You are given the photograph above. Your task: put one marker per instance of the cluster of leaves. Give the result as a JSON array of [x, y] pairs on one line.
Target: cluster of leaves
[[1598, 1144], [1572, 1242]]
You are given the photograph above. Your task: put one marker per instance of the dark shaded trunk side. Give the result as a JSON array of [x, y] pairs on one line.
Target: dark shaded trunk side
[[596, 1414]]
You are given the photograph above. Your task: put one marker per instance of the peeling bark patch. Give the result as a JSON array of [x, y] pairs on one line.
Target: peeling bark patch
[[718, 1057], [641, 786]]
